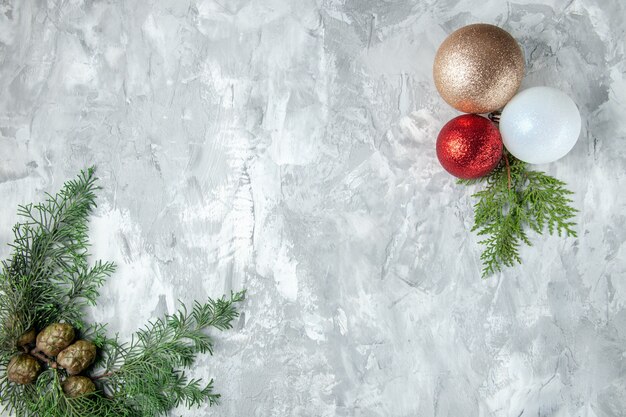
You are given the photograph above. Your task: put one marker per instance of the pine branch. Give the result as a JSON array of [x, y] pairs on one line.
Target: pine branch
[[549, 199], [48, 279], [146, 375], [515, 199]]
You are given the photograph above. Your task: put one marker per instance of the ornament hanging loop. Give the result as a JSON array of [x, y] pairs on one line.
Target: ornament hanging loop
[[494, 116]]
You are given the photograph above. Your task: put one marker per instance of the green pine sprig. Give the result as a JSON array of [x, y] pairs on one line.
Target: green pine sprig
[[48, 279], [144, 374], [514, 200]]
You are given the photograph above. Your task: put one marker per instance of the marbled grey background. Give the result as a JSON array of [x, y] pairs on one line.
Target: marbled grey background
[[287, 146]]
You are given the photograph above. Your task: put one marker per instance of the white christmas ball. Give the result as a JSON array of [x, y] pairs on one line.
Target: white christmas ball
[[540, 125]]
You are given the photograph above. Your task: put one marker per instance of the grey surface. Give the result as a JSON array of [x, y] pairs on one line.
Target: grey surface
[[288, 147]]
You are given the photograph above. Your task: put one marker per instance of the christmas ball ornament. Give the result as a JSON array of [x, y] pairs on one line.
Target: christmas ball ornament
[[540, 125], [23, 369], [76, 386], [478, 68], [55, 338], [77, 357], [469, 146]]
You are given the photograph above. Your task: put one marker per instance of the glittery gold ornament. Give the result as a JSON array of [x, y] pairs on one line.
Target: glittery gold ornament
[[478, 68]]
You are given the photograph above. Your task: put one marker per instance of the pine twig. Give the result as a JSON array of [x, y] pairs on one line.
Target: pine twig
[[516, 199], [508, 169]]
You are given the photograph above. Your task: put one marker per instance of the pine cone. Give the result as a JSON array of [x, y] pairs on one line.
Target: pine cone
[[55, 338], [27, 338], [75, 386], [77, 357], [23, 369]]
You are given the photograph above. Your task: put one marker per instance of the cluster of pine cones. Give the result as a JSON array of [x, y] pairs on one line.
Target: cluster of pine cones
[[53, 346]]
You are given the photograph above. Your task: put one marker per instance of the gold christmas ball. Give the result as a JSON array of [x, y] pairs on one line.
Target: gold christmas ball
[[55, 338], [76, 386], [77, 357], [23, 369], [478, 68]]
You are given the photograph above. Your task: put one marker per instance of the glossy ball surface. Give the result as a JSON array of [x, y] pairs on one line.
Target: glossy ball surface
[[540, 125]]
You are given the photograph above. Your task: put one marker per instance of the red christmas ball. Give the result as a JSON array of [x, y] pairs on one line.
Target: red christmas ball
[[469, 146]]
